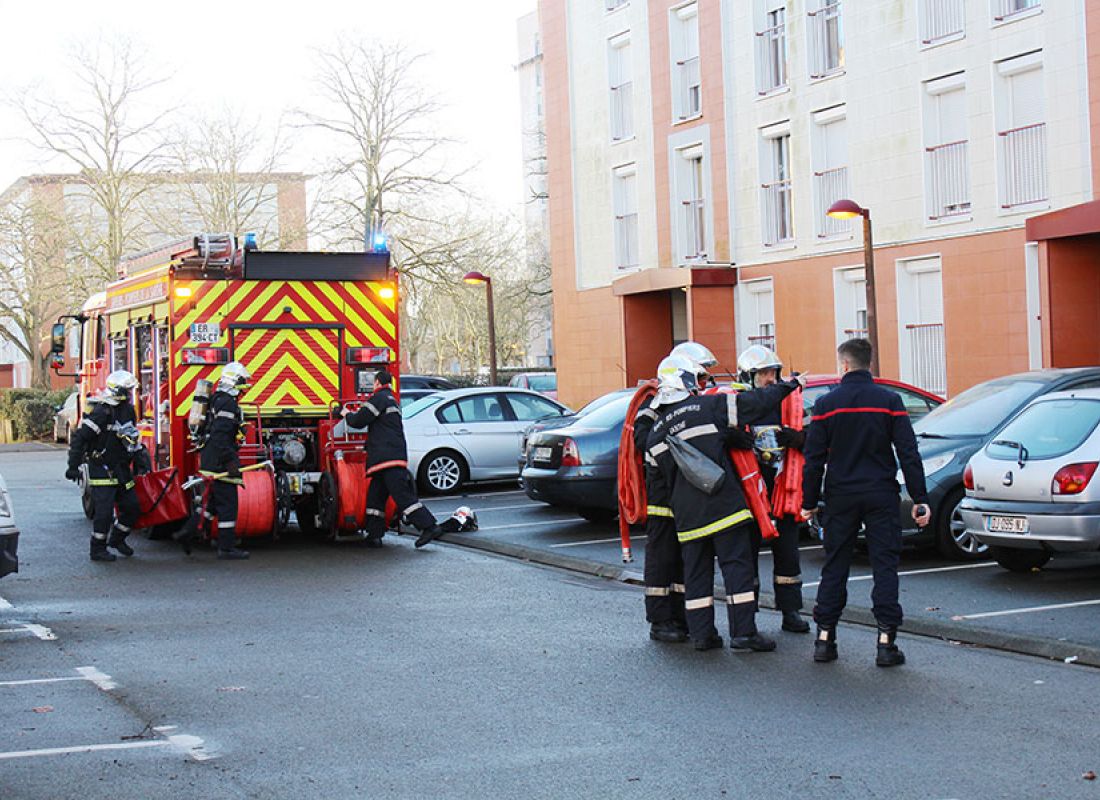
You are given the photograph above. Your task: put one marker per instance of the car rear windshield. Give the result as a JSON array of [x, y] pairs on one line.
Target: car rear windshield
[[543, 383], [415, 407], [1047, 429], [978, 410], [608, 415]]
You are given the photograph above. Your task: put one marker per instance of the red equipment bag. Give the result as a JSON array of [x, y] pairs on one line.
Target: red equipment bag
[[162, 498]]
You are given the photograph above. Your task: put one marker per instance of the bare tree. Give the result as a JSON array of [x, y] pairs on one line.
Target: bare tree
[[110, 144], [34, 285]]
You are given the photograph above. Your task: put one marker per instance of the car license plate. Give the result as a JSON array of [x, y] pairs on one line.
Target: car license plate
[[543, 453], [1007, 524]]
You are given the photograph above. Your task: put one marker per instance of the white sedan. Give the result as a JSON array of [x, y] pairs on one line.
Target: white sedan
[[9, 534], [462, 435]]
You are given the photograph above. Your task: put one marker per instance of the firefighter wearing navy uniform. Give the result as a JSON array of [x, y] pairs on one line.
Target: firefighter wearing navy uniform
[[760, 367], [857, 429], [709, 525], [388, 464], [108, 440], [224, 432]]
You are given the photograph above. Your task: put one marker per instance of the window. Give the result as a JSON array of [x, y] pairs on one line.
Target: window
[[941, 20], [691, 222], [1007, 9], [850, 303], [825, 38], [1047, 429], [921, 341], [830, 153], [1021, 131], [622, 89], [946, 148], [775, 199], [625, 201], [611, 5], [528, 408], [687, 89], [120, 354], [476, 408], [757, 313], [916, 404], [771, 45]]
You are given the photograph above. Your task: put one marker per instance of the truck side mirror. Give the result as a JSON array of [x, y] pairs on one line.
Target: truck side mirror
[[57, 338]]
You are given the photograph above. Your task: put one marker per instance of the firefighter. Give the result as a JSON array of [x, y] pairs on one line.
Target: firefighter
[[861, 432], [224, 433], [760, 367], [108, 440], [664, 565], [709, 525], [388, 464], [701, 356]]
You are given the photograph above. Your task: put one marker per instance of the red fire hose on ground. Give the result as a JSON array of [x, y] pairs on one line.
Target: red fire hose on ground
[[632, 496]]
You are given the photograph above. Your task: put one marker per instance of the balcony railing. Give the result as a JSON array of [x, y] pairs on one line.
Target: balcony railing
[[767, 340], [830, 186], [927, 356], [826, 40], [695, 241], [948, 180], [691, 88], [1004, 9], [940, 19], [626, 241], [776, 206], [1023, 165], [771, 59], [622, 111], [855, 333]]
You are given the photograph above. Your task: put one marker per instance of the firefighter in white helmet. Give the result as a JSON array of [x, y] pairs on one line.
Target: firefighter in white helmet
[[108, 440], [760, 367], [224, 432], [701, 356]]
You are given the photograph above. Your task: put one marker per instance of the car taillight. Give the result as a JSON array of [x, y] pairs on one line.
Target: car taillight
[[570, 455], [1073, 479], [968, 478]]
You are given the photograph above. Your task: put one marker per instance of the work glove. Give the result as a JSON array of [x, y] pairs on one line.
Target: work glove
[[741, 439], [789, 437], [72, 474]]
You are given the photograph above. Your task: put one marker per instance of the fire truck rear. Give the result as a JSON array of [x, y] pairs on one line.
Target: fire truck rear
[[311, 327]]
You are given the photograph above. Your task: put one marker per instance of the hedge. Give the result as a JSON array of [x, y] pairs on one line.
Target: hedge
[[31, 411]]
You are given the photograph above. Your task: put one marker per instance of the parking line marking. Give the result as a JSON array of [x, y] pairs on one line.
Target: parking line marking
[[528, 524], [31, 681], [90, 674], [1026, 610], [85, 748], [488, 494], [598, 541], [912, 572], [41, 631], [496, 508]]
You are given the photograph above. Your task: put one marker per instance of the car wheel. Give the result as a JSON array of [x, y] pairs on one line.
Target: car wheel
[[442, 471], [952, 538], [593, 514], [1016, 560]]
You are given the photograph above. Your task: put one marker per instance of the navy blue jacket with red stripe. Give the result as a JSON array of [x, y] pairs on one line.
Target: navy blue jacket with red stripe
[[856, 429]]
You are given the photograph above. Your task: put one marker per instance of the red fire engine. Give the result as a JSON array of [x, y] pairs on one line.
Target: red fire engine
[[311, 327]]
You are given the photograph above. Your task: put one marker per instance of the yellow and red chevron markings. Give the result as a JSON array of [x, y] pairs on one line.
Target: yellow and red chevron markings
[[296, 366]]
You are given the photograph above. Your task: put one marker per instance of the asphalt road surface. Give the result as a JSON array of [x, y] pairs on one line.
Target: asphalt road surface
[[317, 671]]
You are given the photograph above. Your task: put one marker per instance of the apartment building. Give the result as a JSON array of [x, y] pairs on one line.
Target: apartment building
[[694, 148]]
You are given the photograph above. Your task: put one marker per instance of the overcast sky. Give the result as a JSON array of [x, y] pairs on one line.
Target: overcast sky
[[259, 55]]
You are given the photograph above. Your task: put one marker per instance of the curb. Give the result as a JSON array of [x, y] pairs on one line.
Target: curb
[[945, 630]]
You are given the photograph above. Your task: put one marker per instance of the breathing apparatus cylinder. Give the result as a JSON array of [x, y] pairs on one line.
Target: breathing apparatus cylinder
[[198, 405]]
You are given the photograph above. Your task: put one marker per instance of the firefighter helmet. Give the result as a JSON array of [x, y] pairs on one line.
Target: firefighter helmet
[[234, 377], [755, 359], [699, 355], [676, 379], [119, 385]]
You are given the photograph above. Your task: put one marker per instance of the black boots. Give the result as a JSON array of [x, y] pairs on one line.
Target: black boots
[[756, 642], [668, 631], [428, 535], [825, 645], [888, 653], [793, 622], [117, 541], [99, 550], [232, 554], [712, 642]]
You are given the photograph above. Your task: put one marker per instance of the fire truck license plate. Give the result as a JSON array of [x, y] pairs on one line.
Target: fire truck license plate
[[1008, 524], [543, 453], [205, 332]]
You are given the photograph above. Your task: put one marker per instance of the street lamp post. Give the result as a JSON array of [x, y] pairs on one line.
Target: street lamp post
[[474, 278], [849, 209]]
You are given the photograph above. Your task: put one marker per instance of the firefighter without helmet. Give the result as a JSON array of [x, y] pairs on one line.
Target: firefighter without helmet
[[755, 359], [119, 385], [676, 379], [234, 377]]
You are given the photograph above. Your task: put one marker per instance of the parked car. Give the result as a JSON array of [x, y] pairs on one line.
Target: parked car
[[413, 387], [576, 466], [9, 534], [543, 382], [64, 421], [550, 423], [1030, 491], [950, 435], [460, 435], [917, 401]]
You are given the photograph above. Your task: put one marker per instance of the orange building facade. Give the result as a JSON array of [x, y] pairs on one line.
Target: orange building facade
[[693, 148]]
